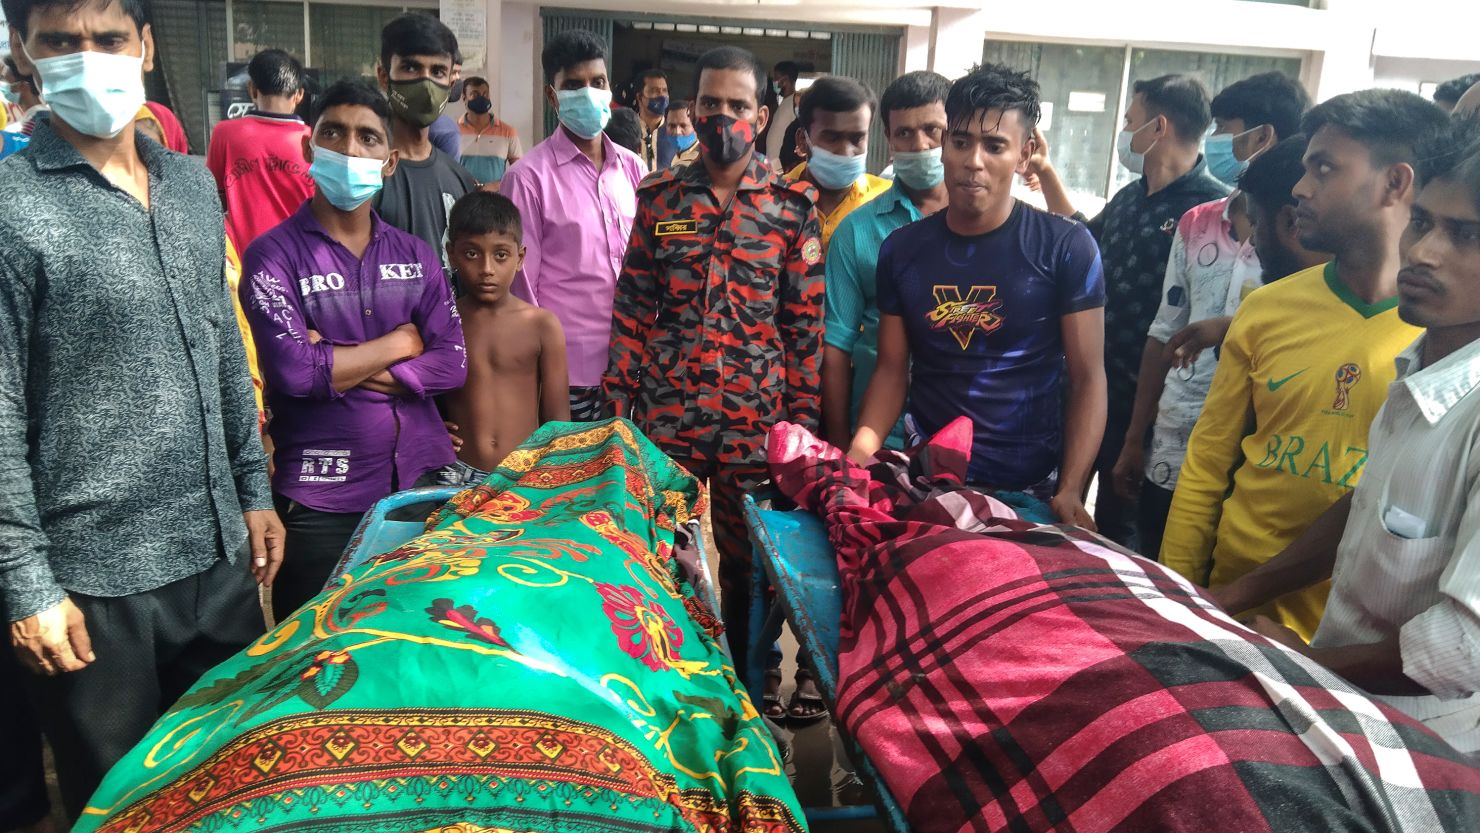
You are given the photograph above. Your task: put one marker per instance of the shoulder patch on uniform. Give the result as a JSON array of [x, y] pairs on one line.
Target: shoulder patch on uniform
[[804, 188], [669, 228], [655, 179], [812, 251]]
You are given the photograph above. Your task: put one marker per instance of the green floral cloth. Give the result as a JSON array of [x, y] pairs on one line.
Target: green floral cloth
[[534, 662]]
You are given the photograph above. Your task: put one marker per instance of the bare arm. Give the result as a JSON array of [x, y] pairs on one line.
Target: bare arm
[[1308, 559], [1376, 667], [1055, 196], [384, 382], [353, 365], [554, 378], [359, 364], [884, 399], [1183, 348], [842, 318], [1084, 423], [837, 393]]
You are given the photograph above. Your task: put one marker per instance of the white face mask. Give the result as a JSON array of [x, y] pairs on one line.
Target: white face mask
[[1133, 162], [96, 93]]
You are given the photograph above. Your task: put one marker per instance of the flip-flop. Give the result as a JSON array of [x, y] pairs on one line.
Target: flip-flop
[[771, 705], [798, 700]]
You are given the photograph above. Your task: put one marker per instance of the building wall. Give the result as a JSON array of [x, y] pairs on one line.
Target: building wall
[[1335, 43], [1416, 73], [520, 84]]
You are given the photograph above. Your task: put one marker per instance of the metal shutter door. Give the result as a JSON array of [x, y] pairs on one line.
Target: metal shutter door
[[874, 60], [191, 42]]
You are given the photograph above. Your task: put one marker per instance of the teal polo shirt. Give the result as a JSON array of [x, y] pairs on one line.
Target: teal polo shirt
[[852, 310]]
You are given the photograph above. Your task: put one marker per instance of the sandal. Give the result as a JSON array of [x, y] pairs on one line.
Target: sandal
[[771, 705], [806, 708]]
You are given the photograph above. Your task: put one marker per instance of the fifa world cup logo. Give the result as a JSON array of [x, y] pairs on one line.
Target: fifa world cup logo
[[1346, 376]]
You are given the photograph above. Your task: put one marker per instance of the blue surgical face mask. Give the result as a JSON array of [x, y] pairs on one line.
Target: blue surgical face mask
[[834, 172], [96, 93], [685, 141], [347, 182], [1222, 163], [919, 170], [8, 91], [585, 111]]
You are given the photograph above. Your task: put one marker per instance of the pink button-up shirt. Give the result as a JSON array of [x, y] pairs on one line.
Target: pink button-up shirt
[[576, 225]]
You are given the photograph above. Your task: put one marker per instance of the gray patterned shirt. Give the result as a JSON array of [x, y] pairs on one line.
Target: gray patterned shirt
[[128, 433]]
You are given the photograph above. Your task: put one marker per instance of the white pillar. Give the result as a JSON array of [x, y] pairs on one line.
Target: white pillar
[[493, 27], [513, 66], [957, 37], [915, 48], [1346, 65]]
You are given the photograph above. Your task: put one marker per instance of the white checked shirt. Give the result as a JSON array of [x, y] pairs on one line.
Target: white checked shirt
[[1409, 560]]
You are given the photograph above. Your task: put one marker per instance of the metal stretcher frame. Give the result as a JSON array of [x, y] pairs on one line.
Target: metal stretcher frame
[[791, 550]]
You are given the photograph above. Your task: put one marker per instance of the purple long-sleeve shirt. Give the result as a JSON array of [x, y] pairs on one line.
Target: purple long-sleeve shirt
[[341, 452]]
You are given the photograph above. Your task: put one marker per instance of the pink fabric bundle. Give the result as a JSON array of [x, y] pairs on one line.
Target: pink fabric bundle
[[1004, 675]]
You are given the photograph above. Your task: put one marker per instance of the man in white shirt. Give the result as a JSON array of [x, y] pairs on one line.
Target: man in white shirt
[[784, 76], [1403, 549]]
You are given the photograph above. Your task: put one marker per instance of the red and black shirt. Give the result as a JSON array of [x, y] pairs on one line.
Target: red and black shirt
[[717, 321]]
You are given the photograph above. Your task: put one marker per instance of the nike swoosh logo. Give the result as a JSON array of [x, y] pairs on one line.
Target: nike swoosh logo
[[1276, 384]]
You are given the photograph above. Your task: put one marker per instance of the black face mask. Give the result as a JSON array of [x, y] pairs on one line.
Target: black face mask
[[726, 139]]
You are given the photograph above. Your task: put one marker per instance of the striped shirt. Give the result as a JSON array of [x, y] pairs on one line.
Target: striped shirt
[[1409, 560], [489, 151]]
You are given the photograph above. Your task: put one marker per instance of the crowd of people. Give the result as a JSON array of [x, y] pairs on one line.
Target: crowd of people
[[1262, 350]]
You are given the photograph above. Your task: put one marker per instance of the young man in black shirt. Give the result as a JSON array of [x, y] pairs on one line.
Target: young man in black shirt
[[416, 73]]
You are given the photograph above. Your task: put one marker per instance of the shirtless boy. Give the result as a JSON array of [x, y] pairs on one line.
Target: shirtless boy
[[516, 351]]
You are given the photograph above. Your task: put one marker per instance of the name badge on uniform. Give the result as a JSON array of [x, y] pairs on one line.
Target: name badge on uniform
[[671, 228]]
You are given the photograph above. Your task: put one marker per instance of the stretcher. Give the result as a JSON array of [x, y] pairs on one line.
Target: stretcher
[[397, 519], [791, 550]]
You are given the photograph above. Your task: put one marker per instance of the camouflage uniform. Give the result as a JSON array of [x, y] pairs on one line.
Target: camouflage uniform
[[717, 335]]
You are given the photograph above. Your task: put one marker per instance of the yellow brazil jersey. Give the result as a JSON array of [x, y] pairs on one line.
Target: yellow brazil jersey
[[233, 280], [1283, 433], [866, 188]]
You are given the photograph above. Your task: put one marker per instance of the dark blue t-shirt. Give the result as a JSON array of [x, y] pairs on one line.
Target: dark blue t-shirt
[[982, 317]]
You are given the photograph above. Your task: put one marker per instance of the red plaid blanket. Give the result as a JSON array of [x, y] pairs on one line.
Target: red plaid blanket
[[1009, 676]]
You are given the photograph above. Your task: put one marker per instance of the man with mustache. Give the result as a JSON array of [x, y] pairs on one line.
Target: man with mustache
[[989, 308], [1308, 359], [1403, 620], [717, 320]]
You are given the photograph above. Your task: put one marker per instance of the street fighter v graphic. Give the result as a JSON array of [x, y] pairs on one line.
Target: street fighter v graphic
[[965, 317]]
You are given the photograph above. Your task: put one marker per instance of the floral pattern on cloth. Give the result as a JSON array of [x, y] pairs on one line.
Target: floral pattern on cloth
[[530, 663], [1007, 675]]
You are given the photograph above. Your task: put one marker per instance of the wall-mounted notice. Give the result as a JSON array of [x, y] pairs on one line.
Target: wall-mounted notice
[[468, 20]]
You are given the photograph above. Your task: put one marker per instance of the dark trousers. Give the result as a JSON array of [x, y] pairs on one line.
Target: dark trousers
[[150, 648], [1114, 515], [315, 541], [727, 488], [23, 800], [1156, 504]]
